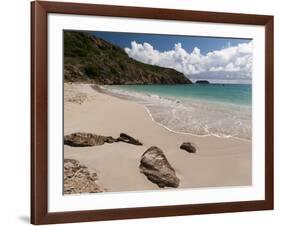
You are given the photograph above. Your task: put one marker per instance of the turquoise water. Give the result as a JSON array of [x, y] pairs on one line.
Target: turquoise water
[[222, 110], [240, 94]]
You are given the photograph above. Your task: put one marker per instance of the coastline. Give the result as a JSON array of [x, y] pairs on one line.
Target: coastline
[[108, 91], [191, 134], [220, 161]]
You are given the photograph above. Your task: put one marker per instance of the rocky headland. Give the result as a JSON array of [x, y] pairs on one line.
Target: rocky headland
[[93, 60]]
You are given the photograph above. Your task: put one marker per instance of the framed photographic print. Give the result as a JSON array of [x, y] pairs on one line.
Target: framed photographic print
[[145, 112]]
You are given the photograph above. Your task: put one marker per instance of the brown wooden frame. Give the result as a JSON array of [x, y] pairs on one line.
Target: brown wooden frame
[[39, 107]]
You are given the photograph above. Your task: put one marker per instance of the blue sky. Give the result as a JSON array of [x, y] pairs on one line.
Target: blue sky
[[167, 42], [197, 57]]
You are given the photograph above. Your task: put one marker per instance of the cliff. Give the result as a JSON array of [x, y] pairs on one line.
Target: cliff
[[91, 59]]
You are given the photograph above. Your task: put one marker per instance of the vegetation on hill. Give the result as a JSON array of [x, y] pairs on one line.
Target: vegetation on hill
[[91, 59]]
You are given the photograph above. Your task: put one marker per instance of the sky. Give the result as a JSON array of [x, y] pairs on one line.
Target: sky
[[197, 57]]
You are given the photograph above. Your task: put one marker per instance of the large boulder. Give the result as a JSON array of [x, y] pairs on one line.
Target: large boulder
[[157, 169], [86, 139], [189, 147], [78, 179], [128, 139]]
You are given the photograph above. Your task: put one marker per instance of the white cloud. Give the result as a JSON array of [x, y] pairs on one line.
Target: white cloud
[[232, 62]]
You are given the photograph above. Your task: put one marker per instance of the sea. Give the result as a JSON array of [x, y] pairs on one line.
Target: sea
[[222, 110]]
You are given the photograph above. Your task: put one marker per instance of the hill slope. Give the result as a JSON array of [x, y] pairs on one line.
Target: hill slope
[[90, 59]]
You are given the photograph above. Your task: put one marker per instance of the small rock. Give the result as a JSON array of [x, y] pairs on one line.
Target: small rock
[[86, 139], [189, 147], [157, 169], [77, 179], [110, 140], [128, 139]]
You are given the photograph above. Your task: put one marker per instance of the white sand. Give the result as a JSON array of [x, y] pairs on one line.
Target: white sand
[[218, 161]]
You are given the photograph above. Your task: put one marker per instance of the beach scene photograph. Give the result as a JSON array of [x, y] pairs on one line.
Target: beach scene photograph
[[147, 112]]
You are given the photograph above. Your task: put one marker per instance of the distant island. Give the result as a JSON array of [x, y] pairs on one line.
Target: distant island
[[202, 82], [91, 59]]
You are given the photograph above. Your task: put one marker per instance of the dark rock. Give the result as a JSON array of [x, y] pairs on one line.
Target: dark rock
[[86, 139], [157, 169], [78, 179], [110, 140], [189, 147], [128, 139]]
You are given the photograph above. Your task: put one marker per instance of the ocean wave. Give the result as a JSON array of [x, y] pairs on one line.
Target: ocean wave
[[193, 116]]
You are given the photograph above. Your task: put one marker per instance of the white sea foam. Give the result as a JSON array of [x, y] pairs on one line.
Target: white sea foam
[[192, 116]]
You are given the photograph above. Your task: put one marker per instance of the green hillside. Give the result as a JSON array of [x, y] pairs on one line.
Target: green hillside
[[91, 59]]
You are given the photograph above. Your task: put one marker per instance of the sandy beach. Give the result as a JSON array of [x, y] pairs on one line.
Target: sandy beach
[[217, 162]]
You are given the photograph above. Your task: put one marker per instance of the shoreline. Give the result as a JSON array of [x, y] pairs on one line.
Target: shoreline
[[101, 89], [219, 161], [191, 134]]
